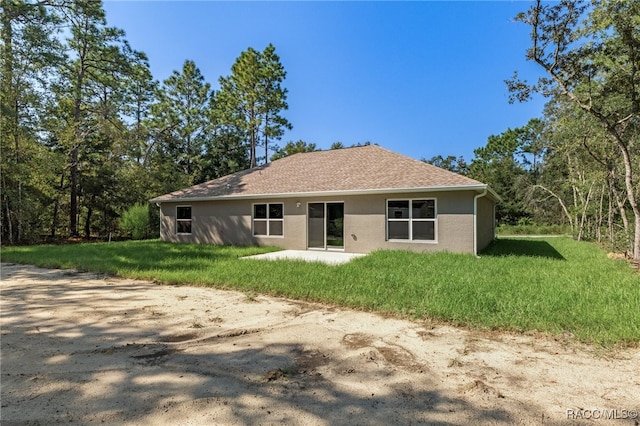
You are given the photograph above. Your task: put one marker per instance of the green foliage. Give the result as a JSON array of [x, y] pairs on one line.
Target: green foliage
[[527, 227], [85, 131], [450, 162], [251, 100], [27, 33], [293, 148], [340, 145], [553, 285], [589, 52], [503, 165], [181, 116], [134, 222], [98, 62]]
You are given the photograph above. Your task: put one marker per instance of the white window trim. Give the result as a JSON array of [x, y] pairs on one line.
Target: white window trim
[[184, 220], [410, 220], [268, 221]]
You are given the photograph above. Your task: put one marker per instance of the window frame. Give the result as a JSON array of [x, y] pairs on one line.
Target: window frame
[[190, 220], [410, 220], [268, 220]]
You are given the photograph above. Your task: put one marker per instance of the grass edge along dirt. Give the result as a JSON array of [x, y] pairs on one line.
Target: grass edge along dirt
[[550, 285]]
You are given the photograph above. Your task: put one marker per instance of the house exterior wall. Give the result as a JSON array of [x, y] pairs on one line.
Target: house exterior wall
[[486, 222], [230, 222]]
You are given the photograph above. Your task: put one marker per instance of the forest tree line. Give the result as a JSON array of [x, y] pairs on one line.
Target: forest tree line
[[87, 132], [579, 163]]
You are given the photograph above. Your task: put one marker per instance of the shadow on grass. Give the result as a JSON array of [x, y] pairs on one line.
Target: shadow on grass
[[523, 247], [130, 255]]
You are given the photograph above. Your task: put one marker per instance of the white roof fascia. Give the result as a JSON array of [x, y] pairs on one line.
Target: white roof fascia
[[473, 187]]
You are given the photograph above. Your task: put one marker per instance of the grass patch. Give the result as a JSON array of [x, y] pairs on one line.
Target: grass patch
[[552, 285]]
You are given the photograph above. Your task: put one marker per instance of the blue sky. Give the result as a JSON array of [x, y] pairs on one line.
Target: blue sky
[[419, 78]]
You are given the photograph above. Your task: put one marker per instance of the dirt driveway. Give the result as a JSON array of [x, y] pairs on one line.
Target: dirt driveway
[[80, 348]]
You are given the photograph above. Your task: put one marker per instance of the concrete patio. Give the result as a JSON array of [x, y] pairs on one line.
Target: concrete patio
[[328, 257]]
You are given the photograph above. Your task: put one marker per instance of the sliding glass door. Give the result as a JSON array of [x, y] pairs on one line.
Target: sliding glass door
[[326, 226], [316, 226], [335, 226]]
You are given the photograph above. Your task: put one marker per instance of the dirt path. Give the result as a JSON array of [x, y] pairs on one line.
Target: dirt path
[[79, 348]]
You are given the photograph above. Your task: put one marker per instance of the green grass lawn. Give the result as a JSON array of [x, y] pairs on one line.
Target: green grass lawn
[[552, 285]]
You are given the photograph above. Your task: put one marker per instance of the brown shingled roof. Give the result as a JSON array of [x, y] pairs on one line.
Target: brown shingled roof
[[351, 170]]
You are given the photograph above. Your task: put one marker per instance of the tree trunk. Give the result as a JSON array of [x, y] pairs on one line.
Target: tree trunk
[[600, 216], [253, 140], [87, 223], [19, 213], [636, 241], [623, 216], [564, 207], [56, 207], [266, 138], [73, 202], [105, 228], [77, 139], [628, 180], [9, 226], [16, 141], [612, 235], [583, 216], [610, 220], [8, 105]]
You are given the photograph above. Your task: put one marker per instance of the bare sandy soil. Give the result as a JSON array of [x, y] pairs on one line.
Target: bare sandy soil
[[80, 348]]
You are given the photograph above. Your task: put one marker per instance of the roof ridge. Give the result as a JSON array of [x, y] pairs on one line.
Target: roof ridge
[[328, 150]]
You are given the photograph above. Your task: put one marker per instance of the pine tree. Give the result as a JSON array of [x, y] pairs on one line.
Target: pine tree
[[252, 98], [30, 54], [98, 57], [181, 120]]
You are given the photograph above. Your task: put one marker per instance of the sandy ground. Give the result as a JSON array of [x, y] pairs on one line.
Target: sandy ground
[[81, 348]]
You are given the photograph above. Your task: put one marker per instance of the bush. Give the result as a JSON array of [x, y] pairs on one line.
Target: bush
[[154, 221], [134, 222]]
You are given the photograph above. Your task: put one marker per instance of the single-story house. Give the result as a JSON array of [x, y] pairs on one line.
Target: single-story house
[[352, 199]]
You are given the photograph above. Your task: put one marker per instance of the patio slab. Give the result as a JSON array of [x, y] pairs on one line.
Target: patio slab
[[328, 257]]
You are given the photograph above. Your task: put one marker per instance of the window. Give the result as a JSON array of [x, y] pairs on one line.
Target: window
[[183, 220], [268, 220], [412, 220]]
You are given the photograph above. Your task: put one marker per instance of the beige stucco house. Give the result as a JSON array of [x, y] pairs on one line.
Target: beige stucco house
[[354, 200]]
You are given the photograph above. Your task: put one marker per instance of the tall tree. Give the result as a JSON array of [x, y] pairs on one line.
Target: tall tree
[[97, 58], [225, 151], [28, 57], [275, 98], [498, 164], [533, 147], [139, 96], [133, 178], [594, 63], [181, 118], [580, 170], [252, 99]]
